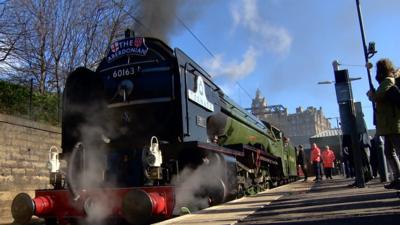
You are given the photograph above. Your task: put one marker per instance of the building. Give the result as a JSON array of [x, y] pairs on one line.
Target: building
[[299, 126]]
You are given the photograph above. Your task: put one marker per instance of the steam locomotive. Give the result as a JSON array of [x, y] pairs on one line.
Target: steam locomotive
[[146, 129]]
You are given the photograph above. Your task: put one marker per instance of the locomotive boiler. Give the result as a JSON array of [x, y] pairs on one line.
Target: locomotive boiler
[[135, 133]]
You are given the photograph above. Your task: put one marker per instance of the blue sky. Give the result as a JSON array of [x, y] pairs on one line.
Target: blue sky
[[285, 47]]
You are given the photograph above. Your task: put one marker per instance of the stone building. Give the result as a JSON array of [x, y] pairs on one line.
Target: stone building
[[299, 126]]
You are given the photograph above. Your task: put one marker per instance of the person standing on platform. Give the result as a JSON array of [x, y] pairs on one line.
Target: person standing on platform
[[301, 161], [373, 157], [387, 117], [316, 160], [365, 145], [328, 159], [348, 161]]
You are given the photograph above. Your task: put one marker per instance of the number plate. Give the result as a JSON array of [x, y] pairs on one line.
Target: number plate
[[123, 72]]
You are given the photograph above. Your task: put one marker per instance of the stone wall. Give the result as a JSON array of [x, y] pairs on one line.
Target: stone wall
[[24, 148]]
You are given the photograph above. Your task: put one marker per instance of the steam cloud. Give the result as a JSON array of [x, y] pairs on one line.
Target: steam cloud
[[234, 69], [262, 35], [272, 37], [192, 184], [91, 176], [87, 166]]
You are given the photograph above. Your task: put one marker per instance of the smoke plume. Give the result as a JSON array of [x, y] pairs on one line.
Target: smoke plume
[[159, 18]]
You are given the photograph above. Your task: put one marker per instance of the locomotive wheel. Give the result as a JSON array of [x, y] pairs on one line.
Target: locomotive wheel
[[217, 193], [241, 191], [267, 185]]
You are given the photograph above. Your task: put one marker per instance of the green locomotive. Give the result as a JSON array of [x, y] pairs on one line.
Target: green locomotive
[[274, 160]]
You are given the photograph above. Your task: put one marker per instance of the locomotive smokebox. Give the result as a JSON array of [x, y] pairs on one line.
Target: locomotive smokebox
[[139, 207]]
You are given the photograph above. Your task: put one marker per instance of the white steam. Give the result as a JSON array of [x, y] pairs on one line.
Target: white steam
[[95, 158], [262, 35], [271, 37], [99, 208], [192, 185], [234, 70], [91, 176]]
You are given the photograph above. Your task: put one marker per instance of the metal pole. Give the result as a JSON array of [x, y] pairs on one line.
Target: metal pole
[[339, 136], [364, 44], [335, 65], [30, 99], [371, 86], [382, 161], [356, 148]]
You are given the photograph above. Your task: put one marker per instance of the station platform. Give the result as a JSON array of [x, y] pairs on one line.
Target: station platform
[[330, 202]]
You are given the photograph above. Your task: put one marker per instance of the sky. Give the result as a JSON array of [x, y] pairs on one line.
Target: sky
[[285, 47]]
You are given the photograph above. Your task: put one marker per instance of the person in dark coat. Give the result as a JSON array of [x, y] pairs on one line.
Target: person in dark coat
[[373, 158], [348, 156], [365, 146], [301, 161]]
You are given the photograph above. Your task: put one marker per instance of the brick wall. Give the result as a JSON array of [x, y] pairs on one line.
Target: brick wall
[[24, 147]]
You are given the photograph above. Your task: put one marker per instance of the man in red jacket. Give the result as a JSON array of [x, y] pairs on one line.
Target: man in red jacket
[[316, 159], [328, 158]]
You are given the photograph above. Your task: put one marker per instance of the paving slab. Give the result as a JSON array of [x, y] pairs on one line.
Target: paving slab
[[236, 210], [330, 202]]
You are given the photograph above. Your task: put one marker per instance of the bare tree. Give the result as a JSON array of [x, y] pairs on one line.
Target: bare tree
[[54, 37], [5, 44], [8, 35], [30, 57]]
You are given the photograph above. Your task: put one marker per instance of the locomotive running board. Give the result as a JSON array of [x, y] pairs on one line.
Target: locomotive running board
[[264, 156], [235, 150], [214, 147]]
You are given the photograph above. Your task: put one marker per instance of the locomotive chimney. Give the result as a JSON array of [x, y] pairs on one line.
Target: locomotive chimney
[[129, 33]]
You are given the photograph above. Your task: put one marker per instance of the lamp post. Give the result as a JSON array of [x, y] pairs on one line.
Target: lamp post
[[348, 117], [333, 82], [347, 111]]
